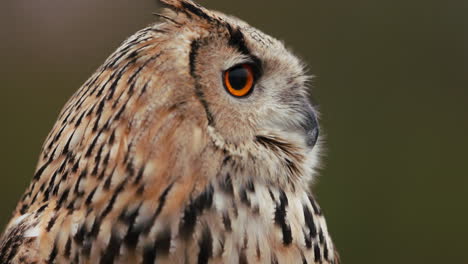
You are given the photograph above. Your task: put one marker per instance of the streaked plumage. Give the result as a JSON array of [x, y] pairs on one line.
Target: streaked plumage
[[152, 161]]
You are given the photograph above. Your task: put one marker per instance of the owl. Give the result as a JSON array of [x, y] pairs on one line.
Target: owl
[[194, 142]]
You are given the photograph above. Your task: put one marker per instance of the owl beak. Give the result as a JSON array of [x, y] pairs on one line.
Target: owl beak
[[310, 126]]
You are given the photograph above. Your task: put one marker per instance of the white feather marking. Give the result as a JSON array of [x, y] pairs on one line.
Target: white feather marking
[[33, 232], [20, 219]]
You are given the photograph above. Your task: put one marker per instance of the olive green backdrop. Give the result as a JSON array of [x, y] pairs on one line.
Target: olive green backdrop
[[391, 82]]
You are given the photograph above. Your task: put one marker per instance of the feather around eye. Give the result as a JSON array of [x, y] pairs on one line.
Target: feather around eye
[[239, 80]]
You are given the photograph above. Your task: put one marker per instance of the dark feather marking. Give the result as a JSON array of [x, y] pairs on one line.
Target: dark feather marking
[[317, 256], [64, 164], [205, 199], [144, 89], [321, 238], [92, 146], [272, 144], [120, 73], [161, 246], [106, 159], [237, 40], [50, 187], [41, 170], [110, 205], [113, 249], [134, 232], [272, 197], [130, 168], [76, 166], [91, 110], [131, 238], [89, 199], [167, 18], [42, 208], [107, 183], [162, 202], [65, 120], [316, 208], [120, 112], [112, 138], [51, 222], [250, 186], [243, 257], [309, 220], [53, 254], [82, 176], [62, 179], [67, 251], [125, 52], [96, 123], [95, 171], [80, 234], [95, 228], [57, 137], [206, 246], [137, 72], [131, 89], [98, 157], [243, 197], [325, 252], [188, 221], [227, 222], [132, 80], [191, 212], [139, 176], [307, 239], [67, 145], [194, 47], [291, 166], [196, 10], [103, 87], [280, 218], [80, 119], [62, 199]]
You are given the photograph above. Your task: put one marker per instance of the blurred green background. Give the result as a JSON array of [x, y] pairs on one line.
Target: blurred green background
[[392, 85]]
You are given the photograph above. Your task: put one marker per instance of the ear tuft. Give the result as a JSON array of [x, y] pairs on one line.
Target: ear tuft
[[177, 4], [189, 7]]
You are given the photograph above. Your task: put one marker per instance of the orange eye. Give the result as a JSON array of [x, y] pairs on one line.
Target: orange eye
[[239, 80]]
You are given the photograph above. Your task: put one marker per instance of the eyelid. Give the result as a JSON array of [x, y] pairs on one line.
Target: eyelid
[[254, 61]]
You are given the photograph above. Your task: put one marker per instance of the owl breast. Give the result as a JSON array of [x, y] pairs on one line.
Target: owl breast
[[253, 223]]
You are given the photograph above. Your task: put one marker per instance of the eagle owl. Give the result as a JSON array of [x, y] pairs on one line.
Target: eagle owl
[[194, 142]]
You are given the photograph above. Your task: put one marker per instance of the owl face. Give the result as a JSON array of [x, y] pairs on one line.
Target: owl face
[[247, 84]]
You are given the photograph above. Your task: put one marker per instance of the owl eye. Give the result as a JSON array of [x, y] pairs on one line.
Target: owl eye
[[239, 80]]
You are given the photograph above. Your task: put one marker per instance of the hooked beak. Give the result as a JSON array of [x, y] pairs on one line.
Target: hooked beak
[[310, 126]]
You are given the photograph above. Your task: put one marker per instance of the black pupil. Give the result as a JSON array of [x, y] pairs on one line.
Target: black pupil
[[238, 77]]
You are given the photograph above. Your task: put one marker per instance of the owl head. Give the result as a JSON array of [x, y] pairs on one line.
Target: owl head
[[191, 97], [240, 89]]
